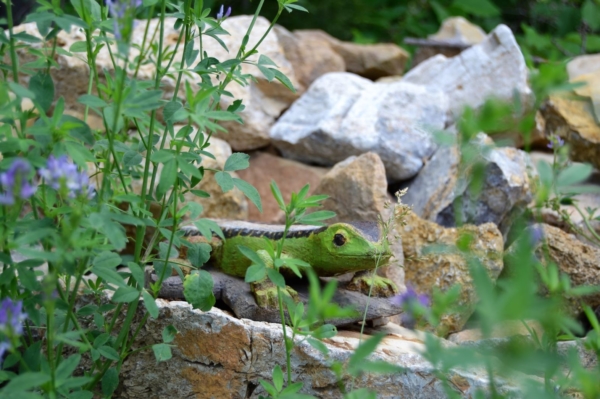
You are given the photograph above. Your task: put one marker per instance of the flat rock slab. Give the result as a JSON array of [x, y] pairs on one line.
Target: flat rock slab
[[235, 293]]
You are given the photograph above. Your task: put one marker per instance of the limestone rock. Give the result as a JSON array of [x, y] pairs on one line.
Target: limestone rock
[[342, 114], [426, 268], [310, 53], [289, 175], [508, 183], [583, 64], [578, 260], [218, 356], [492, 68], [372, 61], [507, 329], [357, 189], [459, 30], [574, 121]]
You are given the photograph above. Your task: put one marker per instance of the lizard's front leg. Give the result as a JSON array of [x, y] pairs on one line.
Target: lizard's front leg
[[265, 292], [381, 286]]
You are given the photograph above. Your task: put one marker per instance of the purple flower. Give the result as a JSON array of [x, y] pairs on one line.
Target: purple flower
[[12, 317], [410, 298], [14, 182], [536, 234], [61, 173], [117, 10], [220, 14], [555, 140]]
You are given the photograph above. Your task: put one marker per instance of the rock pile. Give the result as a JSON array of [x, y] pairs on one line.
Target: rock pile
[[353, 138]]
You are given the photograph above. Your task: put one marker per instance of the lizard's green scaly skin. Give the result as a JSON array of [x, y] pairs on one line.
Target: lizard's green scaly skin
[[337, 249], [355, 249]]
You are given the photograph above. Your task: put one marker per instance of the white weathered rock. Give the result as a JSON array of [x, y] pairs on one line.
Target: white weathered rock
[[493, 68], [218, 356], [508, 183], [342, 114]]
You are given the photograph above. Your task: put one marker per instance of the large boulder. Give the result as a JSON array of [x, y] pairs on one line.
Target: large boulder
[[426, 266], [492, 68], [310, 53], [578, 260], [218, 356], [343, 114], [508, 184]]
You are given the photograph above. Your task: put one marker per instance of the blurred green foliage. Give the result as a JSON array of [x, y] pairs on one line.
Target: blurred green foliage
[[548, 29]]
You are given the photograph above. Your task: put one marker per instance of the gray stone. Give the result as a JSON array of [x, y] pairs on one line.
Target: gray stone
[[342, 114], [493, 68], [507, 186]]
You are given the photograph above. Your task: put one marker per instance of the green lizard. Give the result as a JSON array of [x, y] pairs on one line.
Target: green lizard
[[337, 249]]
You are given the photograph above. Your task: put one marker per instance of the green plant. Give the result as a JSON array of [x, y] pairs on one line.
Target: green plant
[[53, 214]]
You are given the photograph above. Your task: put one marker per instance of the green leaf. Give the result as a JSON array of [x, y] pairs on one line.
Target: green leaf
[[207, 226], [26, 381], [278, 378], [162, 352], [198, 254], [380, 366], [168, 175], [81, 395], [126, 294], [224, 180], [361, 393], [78, 47], [575, 173], [42, 86], [110, 381], [277, 195], [318, 345], [276, 277], [280, 76], [255, 273], [67, 366], [315, 218], [21, 91], [268, 73], [362, 352], [132, 158], [264, 60], [198, 290], [90, 8], [104, 265], [92, 101], [480, 8], [137, 272], [252, 255], [169, 333], [109, 352], [150, 304], [170, 110], [590, 13], [295, 7], [249, 191], [162, 156], [237, 161], [269, 388]]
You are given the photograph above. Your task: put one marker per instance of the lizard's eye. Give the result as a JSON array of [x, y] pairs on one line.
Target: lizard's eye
[[339, 240]]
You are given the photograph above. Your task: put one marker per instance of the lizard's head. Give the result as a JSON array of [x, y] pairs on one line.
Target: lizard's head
[[357, 240]]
